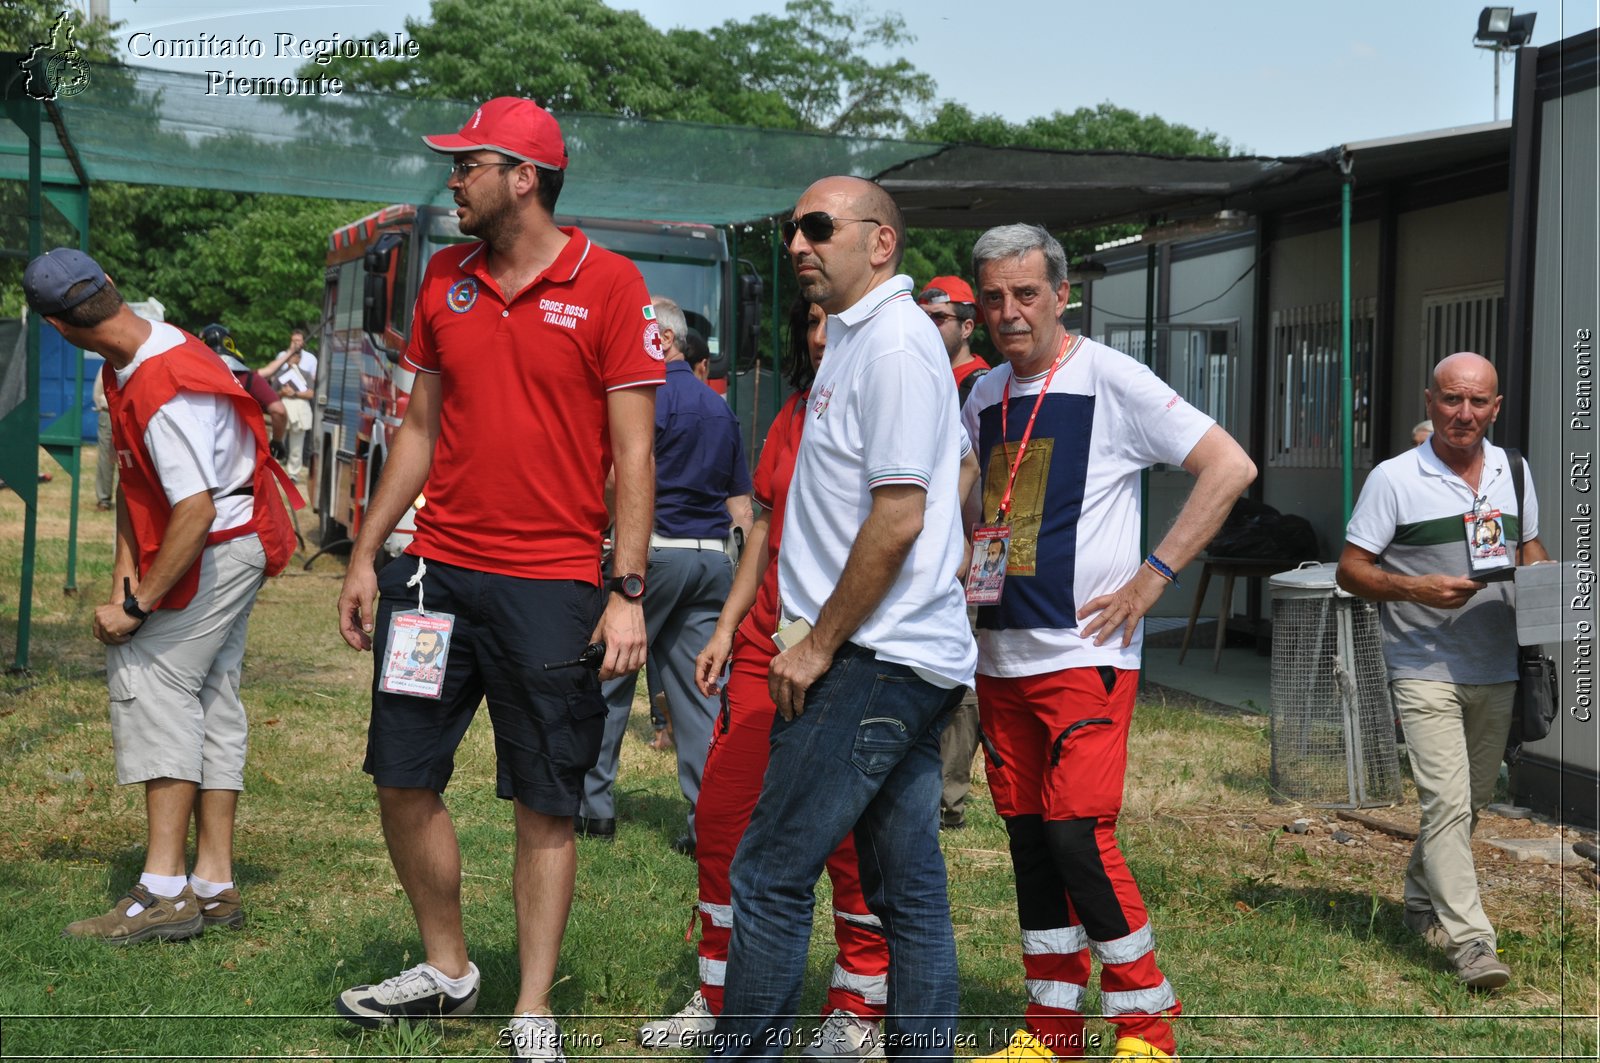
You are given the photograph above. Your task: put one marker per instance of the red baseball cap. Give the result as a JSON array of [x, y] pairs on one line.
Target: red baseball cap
[[512, 126], [947, 290]]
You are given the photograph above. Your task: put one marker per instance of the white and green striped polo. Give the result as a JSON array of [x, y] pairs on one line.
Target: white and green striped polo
[[1410, 514]]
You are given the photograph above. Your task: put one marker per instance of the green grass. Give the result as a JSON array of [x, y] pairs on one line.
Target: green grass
[[1279, 946]]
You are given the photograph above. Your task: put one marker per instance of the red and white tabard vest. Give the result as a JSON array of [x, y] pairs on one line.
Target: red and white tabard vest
[[191, 366]]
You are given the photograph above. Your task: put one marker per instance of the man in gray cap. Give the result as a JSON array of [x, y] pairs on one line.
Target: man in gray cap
[[199, 524]]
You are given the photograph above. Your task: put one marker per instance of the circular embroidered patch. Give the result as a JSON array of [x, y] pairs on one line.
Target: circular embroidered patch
[[652, 342], [463, 294]]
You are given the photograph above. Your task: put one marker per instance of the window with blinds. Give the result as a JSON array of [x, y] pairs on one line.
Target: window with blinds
[[1199, 361], [1461, 319], [1306, 373]]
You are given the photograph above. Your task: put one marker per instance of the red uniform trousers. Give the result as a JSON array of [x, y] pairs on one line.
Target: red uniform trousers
[[735, 767], [1057, 756]]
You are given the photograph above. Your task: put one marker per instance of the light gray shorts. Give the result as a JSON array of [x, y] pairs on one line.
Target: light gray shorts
[[175, 708]]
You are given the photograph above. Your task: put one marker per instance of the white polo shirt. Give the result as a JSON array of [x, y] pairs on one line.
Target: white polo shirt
[[882, 412]]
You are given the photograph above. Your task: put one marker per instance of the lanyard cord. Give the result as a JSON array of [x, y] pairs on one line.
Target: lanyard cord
[[1062, 358]]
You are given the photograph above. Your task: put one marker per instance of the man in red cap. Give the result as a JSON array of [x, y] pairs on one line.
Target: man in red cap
[[949, 303], [537, 356]]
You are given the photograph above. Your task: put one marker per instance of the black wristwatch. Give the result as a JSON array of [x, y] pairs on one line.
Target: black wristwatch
[[130, 603], [630, 586]]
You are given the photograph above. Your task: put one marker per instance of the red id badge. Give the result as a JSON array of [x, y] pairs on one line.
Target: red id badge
[[991, 545]]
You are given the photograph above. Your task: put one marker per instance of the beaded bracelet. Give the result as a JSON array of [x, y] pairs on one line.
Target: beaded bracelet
[[1160, 568]]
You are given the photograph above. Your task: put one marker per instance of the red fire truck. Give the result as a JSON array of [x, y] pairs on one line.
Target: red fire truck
[[374, 267]]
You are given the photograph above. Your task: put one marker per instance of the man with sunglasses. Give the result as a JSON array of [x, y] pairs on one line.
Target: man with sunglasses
[[1062, 432], [875, 648], [537, 356]]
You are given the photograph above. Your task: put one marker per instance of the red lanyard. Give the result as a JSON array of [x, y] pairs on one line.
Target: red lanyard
[[1062, 358]]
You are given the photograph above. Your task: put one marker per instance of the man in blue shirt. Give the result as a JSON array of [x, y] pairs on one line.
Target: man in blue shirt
[[702, 489]]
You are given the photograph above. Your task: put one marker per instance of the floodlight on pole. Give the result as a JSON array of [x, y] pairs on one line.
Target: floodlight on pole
[[1500, 29]]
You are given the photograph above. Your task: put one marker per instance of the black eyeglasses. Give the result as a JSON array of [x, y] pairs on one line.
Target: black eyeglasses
[[460, 170], [819, 226], [941, 319]]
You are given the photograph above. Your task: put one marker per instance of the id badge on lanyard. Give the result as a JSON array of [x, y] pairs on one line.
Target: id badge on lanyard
[[416, 647], [1486, 538], [991, 545]]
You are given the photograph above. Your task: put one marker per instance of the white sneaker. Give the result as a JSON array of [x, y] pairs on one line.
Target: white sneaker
[[412, 994], [845, 1035], [682, 1030], [533, 1038]]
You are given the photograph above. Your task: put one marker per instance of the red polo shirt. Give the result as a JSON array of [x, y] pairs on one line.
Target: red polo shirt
[[518, 475], [966, 369]]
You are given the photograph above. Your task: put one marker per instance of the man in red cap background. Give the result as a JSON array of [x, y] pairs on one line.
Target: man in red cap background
[[949, 304], [537, 356]]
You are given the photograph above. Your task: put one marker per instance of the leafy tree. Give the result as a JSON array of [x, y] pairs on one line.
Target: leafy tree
[[25, 23], [805, 69], [812, 57], [1104, 127], [252, 262]]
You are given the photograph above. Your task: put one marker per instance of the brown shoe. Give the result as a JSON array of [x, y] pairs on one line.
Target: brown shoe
[[226, 909], [169, 918], [1479, 968], [1424, 922]]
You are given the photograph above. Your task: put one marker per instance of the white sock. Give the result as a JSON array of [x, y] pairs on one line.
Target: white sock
[[161, 885], [456, 986], [207, 890]]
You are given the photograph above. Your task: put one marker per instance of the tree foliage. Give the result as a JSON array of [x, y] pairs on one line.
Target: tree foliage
[[25, 23], [1104, 127], [252, 262], [808, 68]]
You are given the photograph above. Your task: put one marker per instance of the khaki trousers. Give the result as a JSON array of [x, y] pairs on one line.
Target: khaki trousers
[[1455, 737]]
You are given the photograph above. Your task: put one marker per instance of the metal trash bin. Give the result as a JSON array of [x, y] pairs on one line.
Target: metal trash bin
[[1332, 722]]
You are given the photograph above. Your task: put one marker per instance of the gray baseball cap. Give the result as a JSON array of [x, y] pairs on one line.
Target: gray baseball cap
[[48, 279]]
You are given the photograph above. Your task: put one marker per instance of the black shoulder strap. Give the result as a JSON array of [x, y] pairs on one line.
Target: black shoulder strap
[[966, 385], [1515, 457]]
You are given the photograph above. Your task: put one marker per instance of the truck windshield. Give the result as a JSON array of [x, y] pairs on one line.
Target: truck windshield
[[695, 285]]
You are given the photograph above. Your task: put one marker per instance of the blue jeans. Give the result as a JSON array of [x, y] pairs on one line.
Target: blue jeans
[[864, 756]]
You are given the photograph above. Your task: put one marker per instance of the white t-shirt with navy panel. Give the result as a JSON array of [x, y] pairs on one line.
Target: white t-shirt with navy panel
[[1075, 507], [882, 412]]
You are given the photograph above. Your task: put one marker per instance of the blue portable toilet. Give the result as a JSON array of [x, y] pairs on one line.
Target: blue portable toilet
[[58, 397]]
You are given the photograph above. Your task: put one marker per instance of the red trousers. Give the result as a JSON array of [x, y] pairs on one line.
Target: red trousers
[[1057, 756], [735, 767]]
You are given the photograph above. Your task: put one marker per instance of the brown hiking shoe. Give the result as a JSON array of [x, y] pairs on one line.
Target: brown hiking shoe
[[170, 918], [225, 909], [1424, 922], [1479, 968]]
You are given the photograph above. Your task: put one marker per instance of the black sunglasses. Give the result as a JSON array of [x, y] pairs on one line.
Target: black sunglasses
[[819, 226]]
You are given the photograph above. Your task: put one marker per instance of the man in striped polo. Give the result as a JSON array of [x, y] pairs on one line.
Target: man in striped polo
[[1449, 637]]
